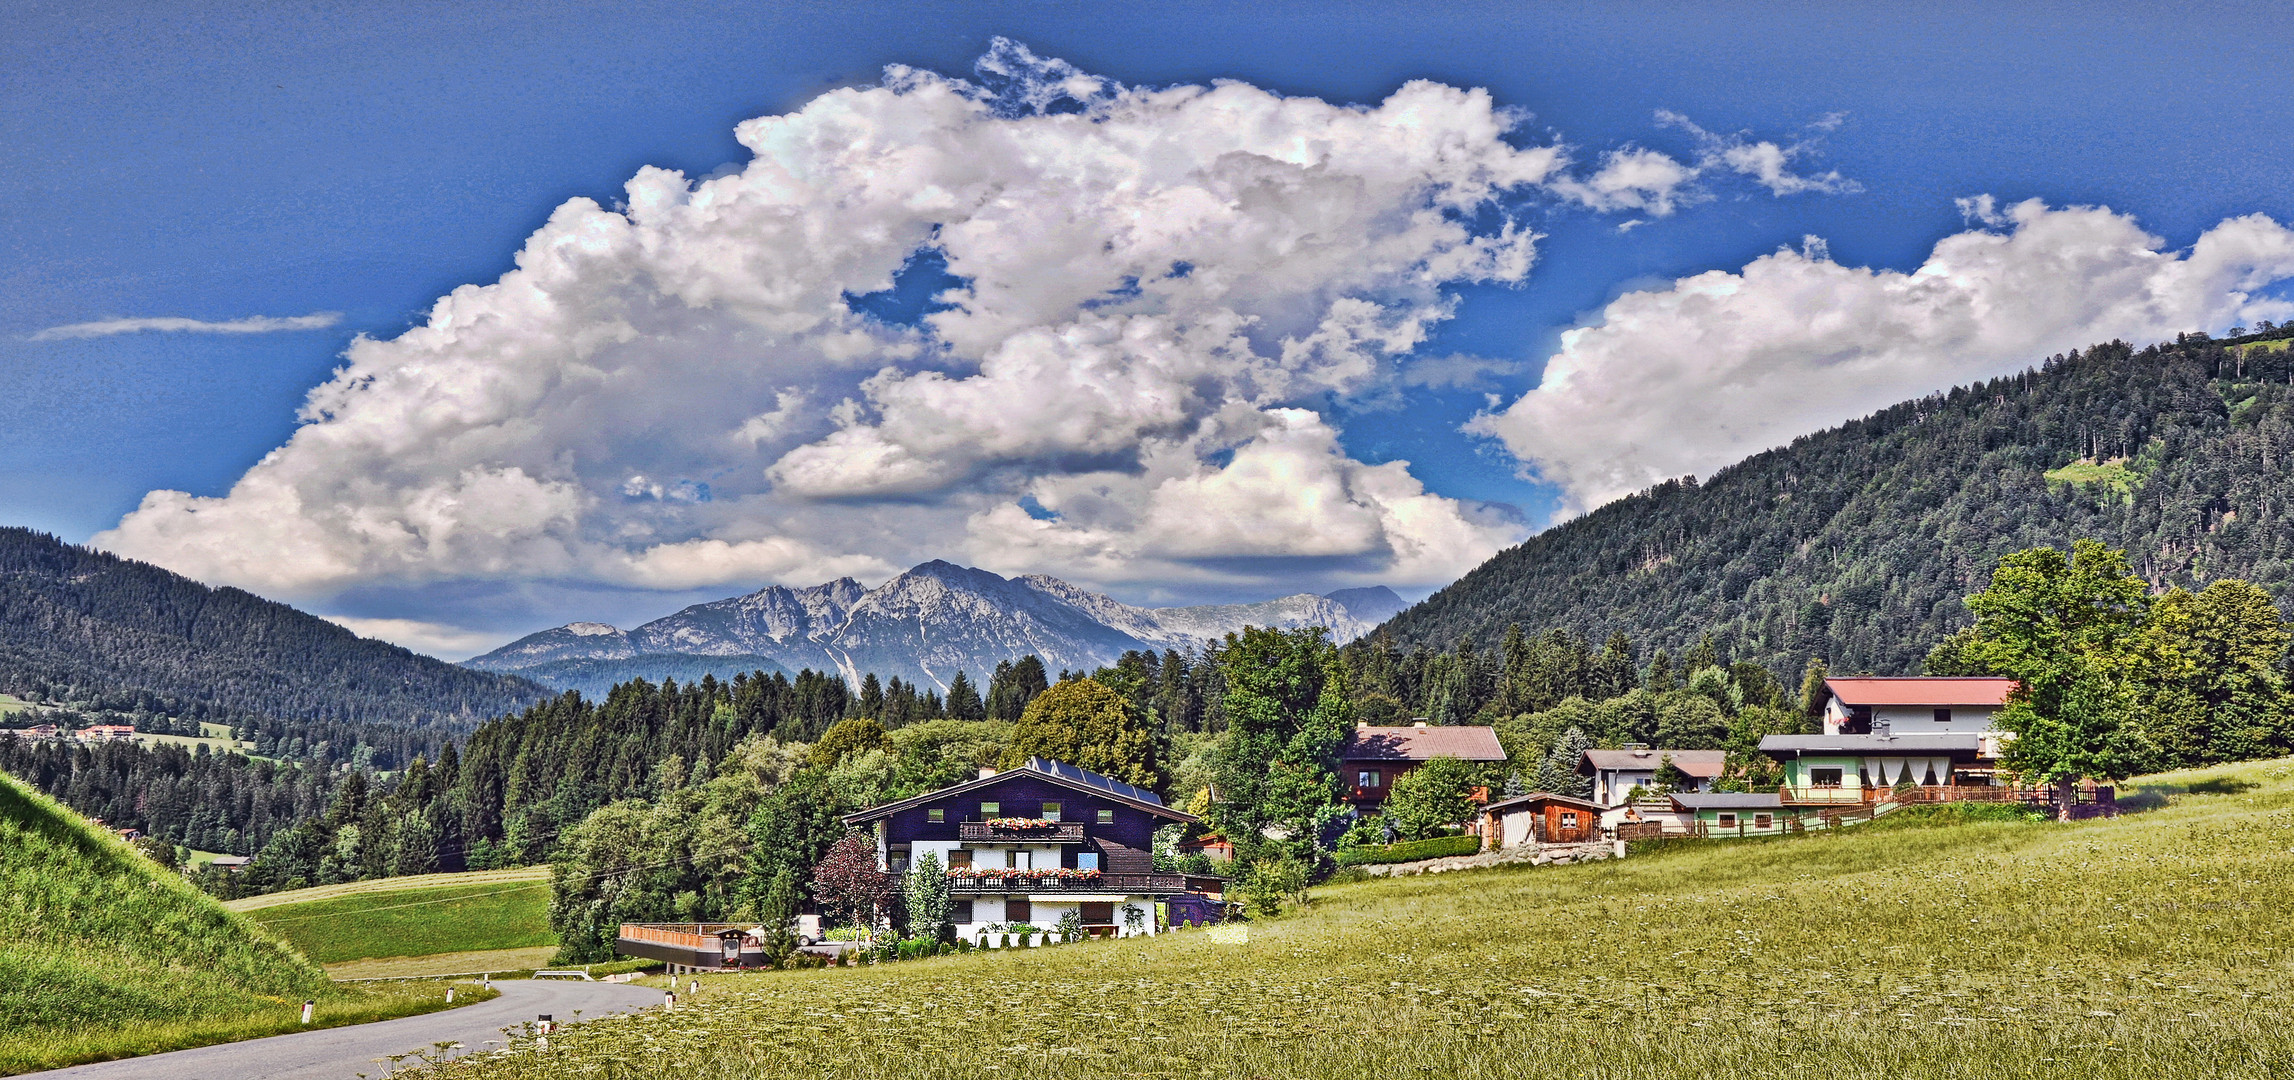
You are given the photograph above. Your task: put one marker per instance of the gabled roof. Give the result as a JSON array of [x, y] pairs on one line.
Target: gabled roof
[[1543, 797], [1728, 800], [1416, 743], [1703, 764], [1038, 768], [1931, 690]]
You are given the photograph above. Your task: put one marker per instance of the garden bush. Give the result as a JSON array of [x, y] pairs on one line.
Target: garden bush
[[1411, 851]]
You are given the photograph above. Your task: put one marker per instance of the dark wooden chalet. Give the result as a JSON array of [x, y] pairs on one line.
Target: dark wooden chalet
[[1025, 846]]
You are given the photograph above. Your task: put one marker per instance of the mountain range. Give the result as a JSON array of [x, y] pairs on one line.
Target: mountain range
[[923, 626]]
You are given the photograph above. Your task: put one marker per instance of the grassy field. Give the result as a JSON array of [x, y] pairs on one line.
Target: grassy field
[[104, 955], [10, 703], [215, 737], [498, 962], [411, 916], [1935, 943], [2112, 474]]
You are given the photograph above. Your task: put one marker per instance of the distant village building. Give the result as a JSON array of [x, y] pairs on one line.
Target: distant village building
[[1616, 773], [1375, 757], [100, 733], [1880, 732]]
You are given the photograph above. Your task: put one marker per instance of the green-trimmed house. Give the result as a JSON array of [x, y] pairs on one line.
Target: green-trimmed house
[[1880, 732]]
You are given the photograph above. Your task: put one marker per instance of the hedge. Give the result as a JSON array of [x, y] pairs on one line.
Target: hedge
[[1412, 851]]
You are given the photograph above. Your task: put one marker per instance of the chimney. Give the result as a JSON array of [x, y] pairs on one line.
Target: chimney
[[987, 771], [1417, 723]]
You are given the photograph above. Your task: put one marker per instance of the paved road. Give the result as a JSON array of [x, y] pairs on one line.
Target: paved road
[[345, 1052]]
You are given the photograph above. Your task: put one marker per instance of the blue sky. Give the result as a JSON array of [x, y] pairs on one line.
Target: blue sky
[[274, 160]]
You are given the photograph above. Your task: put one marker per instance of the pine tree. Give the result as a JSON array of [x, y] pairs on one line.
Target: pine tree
[[963, 701], [1558, 774]]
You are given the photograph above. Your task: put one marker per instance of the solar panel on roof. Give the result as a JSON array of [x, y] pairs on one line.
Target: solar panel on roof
[[1086, 776]]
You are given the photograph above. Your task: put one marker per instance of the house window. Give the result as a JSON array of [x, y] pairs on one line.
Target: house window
[[1051, 811], [1569, 819], [1367, 778], [1943, 716], [1097, 912], [959, 911], [991, 809], [1107, 817], [1728, 821], [936, 817], [1087, 860], [1761, 821], [1016, 910], [1824, 777], [959, 857]]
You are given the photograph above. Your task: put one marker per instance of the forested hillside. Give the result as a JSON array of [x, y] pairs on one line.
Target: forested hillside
[[82, 626], [1857, 544]]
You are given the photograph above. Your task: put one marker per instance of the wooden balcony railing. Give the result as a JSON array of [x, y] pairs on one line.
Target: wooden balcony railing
[[697, 936], [1057, 832], [1123, 884]]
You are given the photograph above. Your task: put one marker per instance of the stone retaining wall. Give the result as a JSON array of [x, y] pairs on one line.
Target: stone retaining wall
[[1533, 854]]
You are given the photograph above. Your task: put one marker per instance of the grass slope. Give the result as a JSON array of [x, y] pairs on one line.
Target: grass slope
[[482, 911], [104, 955], [1930, 945], [91, 932]]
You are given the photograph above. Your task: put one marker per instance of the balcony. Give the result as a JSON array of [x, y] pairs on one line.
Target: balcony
[[1122, 884], [1006, 831]]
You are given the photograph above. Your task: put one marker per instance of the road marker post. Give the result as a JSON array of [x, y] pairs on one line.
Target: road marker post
[[307, 1007]]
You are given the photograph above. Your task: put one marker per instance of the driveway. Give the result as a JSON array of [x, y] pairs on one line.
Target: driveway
[[345, 1052]]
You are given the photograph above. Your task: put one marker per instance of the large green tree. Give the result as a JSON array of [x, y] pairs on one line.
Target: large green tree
[[1288, 713], [2068, 629], [1083, 722], [2213, 688]]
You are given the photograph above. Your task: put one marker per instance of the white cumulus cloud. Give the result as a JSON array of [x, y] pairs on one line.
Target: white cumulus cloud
[[1154, 294], [1723, 364], [253, 324]]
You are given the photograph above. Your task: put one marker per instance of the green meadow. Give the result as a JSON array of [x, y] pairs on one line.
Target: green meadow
[[105, 955], [1936, 943], [481, 912]]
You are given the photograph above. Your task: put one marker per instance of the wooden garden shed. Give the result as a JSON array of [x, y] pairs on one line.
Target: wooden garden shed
[[1540, 818]]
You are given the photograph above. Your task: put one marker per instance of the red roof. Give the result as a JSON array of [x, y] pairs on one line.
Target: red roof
[[1416, 743], [1920, 690]]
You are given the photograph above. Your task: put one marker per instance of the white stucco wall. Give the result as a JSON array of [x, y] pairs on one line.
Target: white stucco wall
[[1913, 719], [1907, 720]]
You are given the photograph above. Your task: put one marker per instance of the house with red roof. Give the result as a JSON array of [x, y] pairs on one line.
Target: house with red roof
[[1882, 731], [1375, 757]]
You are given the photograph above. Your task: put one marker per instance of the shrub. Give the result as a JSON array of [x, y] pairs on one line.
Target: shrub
[[1411, 851], [1271, 883]]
